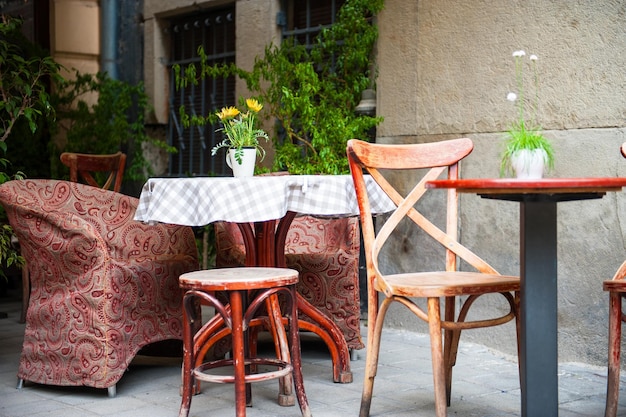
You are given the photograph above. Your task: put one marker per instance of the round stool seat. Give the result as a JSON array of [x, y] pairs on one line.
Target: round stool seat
[[246, 278]]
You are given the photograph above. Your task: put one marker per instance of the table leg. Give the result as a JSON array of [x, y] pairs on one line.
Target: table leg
[[260, 251], [332, 336], [538, 344], [265, 246], [323, 326]]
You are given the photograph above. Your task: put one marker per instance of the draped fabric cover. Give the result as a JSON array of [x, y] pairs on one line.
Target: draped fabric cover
[[326, 253], [102, 285]]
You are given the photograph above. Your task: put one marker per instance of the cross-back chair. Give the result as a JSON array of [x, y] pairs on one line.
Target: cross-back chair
[[617, 290], [405, 288], [87, 165]]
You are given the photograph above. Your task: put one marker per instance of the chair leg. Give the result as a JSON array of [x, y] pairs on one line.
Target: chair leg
[[296, 357], [450, 347], [374, 330], [285, 394], [188, 386], [518, 333], [615, 335], [450, 360], [436, 348]]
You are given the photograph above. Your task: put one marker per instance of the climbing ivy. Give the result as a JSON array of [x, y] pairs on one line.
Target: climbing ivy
[[312, 93]]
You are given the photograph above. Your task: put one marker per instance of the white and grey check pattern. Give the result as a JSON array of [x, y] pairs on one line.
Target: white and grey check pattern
[[200, 201]]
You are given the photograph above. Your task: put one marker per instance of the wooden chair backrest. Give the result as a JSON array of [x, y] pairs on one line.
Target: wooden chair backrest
[[436, 158], [87, 165]]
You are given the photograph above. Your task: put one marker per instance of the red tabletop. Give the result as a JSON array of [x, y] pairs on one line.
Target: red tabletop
[[542, 186]]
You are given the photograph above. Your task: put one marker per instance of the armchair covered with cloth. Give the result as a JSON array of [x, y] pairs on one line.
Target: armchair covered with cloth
[[102, 285], [326, 253]]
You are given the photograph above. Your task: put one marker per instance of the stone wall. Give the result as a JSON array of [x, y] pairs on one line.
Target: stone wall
[[445, 68], [74, 52]]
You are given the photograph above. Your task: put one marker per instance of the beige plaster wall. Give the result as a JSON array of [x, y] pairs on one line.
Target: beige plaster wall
[[445, 68], [75, 29], [75, 41]]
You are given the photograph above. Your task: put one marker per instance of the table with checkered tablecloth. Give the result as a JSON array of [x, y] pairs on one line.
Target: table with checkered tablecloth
[[264, 207], [200, 201]]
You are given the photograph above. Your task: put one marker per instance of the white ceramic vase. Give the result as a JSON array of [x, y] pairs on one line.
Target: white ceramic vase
[[529, 164], [246, 167]]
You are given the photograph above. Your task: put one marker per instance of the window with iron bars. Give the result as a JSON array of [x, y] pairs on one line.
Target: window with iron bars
[[304, 19], [215, 31]]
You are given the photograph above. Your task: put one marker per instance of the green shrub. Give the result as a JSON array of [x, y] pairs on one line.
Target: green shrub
[[114, 122]]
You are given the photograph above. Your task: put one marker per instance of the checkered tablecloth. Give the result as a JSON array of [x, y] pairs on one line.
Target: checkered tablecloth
[[200, 201]]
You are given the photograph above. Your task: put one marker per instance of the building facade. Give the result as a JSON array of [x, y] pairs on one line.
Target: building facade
[[444, 69]]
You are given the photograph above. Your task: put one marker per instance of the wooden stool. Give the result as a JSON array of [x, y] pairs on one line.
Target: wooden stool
[[236, 318]]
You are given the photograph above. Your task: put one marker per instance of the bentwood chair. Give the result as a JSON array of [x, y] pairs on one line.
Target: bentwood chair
[[88, 166], [453, 286], [617, 290]]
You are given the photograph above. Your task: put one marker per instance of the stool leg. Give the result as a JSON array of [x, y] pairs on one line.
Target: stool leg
[[248, 369], [281, 345], [296, 357], [236, 306], [188, 361], [615, 336]]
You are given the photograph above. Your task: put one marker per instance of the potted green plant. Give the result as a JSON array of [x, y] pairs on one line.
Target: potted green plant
[[241, 137], [527, 151]]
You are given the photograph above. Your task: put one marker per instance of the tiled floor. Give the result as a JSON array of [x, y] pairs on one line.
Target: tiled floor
[[485, 384]]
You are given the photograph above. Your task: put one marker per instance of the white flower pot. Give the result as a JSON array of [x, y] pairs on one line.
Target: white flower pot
[[246, 167], [529, 164]]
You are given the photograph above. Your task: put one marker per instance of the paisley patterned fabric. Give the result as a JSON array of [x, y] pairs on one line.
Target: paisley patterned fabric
[[102, 285], [326, 253]]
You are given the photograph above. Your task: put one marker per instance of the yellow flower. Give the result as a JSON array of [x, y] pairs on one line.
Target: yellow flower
[[254, 105], [228, 113], [240, 129]]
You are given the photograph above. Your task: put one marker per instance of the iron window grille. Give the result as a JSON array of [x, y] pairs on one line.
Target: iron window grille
[[305, 19], [215, 32]]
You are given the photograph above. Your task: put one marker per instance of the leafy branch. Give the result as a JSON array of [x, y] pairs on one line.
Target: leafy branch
[[23, 80], [311, 92]]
